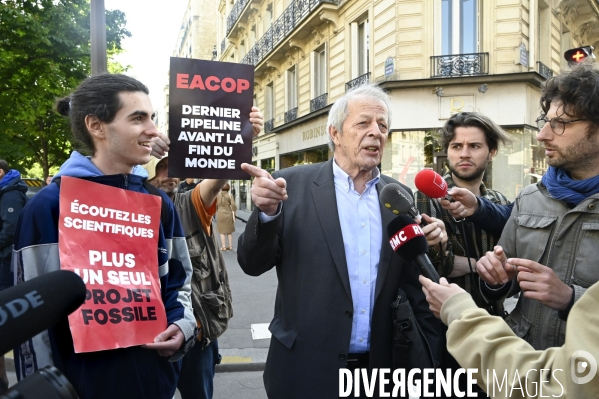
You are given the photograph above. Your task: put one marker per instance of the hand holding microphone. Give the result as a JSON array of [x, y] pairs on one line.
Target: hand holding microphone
[[408, 241], [397, 200], [464, 205], [460, 204], [434, 231], [432, 184]]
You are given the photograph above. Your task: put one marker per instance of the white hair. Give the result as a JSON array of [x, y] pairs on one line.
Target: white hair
[[340, 109]]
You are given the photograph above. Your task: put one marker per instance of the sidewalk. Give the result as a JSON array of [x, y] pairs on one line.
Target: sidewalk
[[234, 360], [242, 216], [253, 306]]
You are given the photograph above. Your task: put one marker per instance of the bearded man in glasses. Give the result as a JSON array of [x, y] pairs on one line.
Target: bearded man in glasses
[[549, 246]]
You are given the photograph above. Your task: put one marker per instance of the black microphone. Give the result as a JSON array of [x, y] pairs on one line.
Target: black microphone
[[46, 383], [408, 241], [397, 200], [32, 307]]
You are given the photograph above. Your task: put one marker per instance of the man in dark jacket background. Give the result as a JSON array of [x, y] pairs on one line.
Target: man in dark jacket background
[[12, 201]]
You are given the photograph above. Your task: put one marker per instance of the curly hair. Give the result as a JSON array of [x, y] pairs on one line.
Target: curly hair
[[99, 96], [577, 90]]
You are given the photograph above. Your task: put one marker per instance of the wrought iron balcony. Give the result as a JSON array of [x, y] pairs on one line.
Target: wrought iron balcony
[[295, 14], [359, 81], [319, 102], [269, 125], [291, 115], [544, 70], [223, 45], [236, 12], [473, 64]]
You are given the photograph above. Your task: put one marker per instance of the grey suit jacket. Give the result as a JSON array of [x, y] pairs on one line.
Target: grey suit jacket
[[313, 311]]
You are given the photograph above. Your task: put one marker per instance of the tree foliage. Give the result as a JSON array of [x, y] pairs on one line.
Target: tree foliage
[[44, 55]]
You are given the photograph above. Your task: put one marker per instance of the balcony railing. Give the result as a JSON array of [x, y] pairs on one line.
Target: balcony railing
[[291, 115], [359, 81], [222, 45], [236, 11], [319, 102], [281, 28], [544, 70], [268, 125], [473, 64]]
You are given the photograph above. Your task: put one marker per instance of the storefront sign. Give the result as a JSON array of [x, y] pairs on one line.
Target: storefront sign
[[453, 104], [314, 133], [309, 134]]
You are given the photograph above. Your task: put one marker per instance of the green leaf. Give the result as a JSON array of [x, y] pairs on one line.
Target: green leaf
[[44, 55]]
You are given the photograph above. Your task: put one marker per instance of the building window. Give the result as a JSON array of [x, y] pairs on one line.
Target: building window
[[223, 26], [269, 102], [523, 154], [310, 156], [292, 87], [320, 72], [252, 36], [268, 17], [363, 47], [544, 38], [404, 156], [241, 49], [459, 26], [360, 35], [269, 107], [268, 164]]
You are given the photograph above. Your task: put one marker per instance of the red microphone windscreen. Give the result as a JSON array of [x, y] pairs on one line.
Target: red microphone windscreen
[[406, 238], [430, 183]]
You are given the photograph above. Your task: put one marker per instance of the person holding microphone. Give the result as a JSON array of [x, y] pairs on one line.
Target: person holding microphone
[[324, 230]]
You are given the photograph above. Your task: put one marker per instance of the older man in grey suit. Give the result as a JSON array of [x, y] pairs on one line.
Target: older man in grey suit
[[324, 230]]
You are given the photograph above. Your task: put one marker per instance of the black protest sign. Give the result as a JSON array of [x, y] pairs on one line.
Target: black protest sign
[[209, 118]]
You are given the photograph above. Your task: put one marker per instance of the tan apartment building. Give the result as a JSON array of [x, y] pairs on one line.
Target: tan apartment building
[[196, 39], [434, 57]]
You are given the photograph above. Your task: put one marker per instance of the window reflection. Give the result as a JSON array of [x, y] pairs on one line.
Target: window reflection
[[309, 156], [404, 156]]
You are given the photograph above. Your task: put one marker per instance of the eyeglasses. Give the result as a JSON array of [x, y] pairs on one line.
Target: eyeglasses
[[558, 126]]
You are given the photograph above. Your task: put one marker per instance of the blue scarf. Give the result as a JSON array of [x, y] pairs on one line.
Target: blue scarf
[[564, 188], [10, 176]]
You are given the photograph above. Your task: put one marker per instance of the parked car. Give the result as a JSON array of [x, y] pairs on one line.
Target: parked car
[[33, 186]]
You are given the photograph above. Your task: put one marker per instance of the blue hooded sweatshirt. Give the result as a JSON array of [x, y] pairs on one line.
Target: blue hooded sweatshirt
[[132, 372]]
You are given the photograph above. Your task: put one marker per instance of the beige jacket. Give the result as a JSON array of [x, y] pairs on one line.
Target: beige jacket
[[478, 340]]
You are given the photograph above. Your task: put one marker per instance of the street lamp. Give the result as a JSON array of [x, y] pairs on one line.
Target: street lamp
[[98, 37]]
